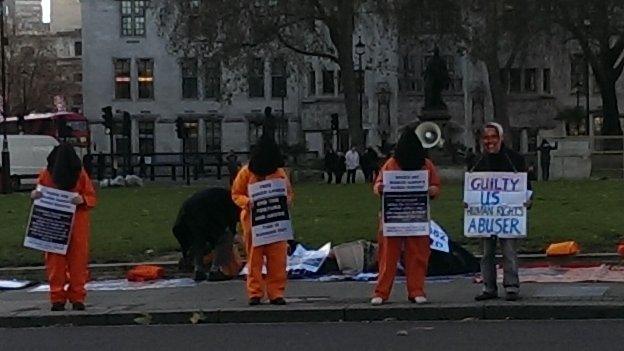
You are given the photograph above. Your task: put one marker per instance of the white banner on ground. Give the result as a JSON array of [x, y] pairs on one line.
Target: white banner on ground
[[405, 203], [308, 260], [270, 219], [439, 238], [51, 220], [495, 204]]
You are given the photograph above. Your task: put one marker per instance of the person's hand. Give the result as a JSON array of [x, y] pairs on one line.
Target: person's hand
[[465, 205], [289, 201], [78, 200], [434, 191], [528, 204], [380, 189], [250, 204], [36, 194]]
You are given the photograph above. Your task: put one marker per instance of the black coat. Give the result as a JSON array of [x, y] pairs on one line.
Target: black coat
[[205, 218], [506, 160]]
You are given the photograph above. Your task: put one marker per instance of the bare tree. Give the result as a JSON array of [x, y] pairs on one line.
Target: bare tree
[[598, 27], [230, 29]]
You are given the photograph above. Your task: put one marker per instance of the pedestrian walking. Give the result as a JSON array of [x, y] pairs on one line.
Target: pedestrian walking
[[330, 163], [409, 156], [496, 157], [341, 167], [65, 172], [352, 159], [233, 165], [369, 164], [544, 149], [264, 164]]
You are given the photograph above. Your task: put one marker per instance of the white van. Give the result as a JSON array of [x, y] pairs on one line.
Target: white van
[[29, 155]]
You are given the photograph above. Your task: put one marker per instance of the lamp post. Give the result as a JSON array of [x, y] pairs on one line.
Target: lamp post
[[6, 159], [588, 124], [360, 48]]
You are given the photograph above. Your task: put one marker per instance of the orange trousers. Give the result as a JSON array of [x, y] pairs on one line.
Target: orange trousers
[[71, 268], [276, 259], [415, 259]]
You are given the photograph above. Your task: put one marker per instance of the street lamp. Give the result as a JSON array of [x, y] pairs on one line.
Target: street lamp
[[360, 48], [588, 125], [6, 159]]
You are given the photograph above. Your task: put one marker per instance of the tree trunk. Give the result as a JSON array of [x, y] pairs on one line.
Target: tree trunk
[[342, 36], [610, 109]]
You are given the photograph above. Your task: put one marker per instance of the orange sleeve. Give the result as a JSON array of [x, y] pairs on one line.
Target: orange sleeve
[[44, 178], [240, 195], [379, 179], [290, 193], [434, 177], [86, 190]]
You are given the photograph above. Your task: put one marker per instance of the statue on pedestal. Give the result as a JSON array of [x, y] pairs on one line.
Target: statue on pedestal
[[436, 80]]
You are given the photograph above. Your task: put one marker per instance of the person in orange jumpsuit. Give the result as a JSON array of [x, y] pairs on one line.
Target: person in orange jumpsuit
[[65, 172], [265, 163], [409, 155]]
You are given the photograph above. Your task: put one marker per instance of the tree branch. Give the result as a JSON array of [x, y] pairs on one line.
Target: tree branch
[[301, 51]]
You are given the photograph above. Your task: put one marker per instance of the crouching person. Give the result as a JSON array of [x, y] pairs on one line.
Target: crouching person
[[207, 222]]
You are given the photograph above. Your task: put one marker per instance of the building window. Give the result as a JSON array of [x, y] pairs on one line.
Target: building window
[[328, 82], [455, 80], [213, 135], [76, 103], [121, 140], [192, 132], [358, 81], [122, 79], [133, 17], [146, 78], [515, 80], [146, 137], [189, 78], [255, 77], [311, 82], [530, 77], [212, 84], [546, 80], [278, 78], [255, 132], [410, 76], [78, 48]]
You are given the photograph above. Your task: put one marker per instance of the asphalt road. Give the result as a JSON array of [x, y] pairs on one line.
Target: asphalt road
[[465, 335]]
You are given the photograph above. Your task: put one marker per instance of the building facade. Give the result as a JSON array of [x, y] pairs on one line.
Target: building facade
[[65, 15], [129, 66]]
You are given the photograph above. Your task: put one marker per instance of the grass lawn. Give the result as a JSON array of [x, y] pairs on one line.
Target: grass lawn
[[129, 222]]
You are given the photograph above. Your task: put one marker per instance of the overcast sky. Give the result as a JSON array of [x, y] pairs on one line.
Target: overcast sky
[[46, 10]]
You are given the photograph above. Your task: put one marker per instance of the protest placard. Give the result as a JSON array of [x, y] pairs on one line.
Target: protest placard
[[405, 203], [51, 220], [495, 204], [439, 238], [270, 219]]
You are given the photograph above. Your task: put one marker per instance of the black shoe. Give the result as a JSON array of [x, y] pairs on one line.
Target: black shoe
[[279, 301], [512, 296], [254, 301], [58, 306], [78, 306], [486, 296], [218, 276], [199, 276]]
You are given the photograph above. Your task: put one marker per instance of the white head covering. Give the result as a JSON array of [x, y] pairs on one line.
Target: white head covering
[[496, 126]]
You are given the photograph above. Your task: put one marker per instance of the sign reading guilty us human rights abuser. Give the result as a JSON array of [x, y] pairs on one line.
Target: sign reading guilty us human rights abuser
[[495, 204]]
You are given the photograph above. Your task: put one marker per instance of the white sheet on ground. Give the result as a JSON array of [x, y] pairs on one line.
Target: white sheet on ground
[[123, 284]]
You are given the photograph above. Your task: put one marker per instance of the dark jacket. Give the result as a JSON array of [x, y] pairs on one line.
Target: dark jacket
[[506, 160], [205, 218], [331, 160]]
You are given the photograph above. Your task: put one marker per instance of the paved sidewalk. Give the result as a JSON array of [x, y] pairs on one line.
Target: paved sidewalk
[[226, 302]]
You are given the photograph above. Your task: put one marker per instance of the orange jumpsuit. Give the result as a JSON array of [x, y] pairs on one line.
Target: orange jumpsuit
[[275, 253], [416, 248], [74, 265]]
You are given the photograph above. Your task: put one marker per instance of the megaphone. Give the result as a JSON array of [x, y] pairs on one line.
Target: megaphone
[[430, 135]]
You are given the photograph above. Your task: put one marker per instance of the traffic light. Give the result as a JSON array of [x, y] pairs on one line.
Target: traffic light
[[127, 124], [335, 123], [107, 116], [180, 128]]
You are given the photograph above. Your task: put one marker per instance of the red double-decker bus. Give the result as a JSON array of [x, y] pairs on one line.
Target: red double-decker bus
[[68, 126]]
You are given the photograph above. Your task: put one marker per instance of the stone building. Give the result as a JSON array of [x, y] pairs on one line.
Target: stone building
[[128, 66], [65, 15]]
